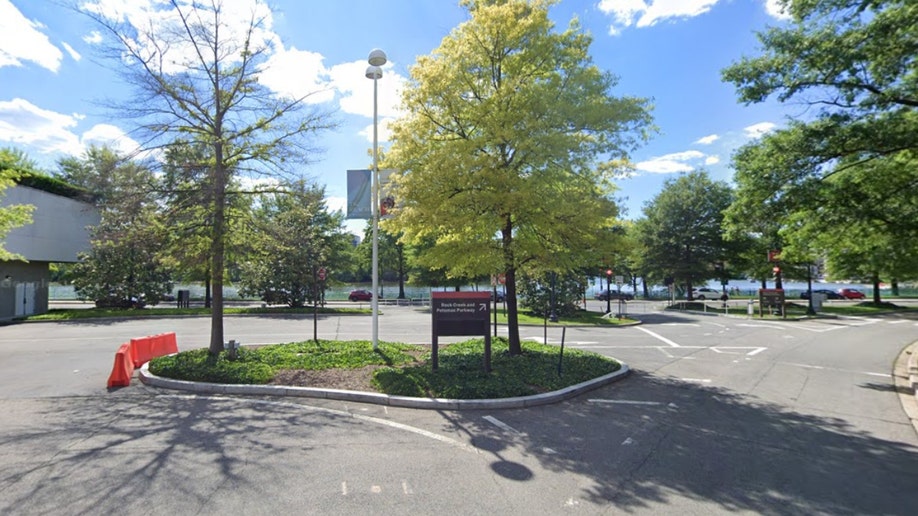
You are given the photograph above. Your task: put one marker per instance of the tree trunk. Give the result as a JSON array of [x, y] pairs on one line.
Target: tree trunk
[[876, 288], [400, 249], [217, 250], [513, 324]]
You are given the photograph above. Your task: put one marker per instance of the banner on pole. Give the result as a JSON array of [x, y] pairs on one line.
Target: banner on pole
[[359, 192]]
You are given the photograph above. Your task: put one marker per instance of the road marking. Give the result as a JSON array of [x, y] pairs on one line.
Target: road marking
[[755, 350], [898, 322], [344, 488], [625, 402], [368, 419], [696, 325], [376, 489], [405, 488], [657, 336], [697, 380], [500, 424], [627, 442], [807, 366]]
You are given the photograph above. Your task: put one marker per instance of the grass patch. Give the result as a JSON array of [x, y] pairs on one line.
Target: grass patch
[[258, 365], [69, 314], [405, 369], [579, 318], [461, 374]]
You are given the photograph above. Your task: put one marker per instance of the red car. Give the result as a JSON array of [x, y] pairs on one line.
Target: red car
[[851, 293], [360, 295]]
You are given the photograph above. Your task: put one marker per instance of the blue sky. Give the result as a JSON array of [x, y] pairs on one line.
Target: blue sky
[[672, 51]]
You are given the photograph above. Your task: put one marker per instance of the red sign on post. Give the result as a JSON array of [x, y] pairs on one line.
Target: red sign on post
[[321, 274]]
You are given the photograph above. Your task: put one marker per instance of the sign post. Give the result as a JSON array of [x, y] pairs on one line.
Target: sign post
[[773, 298], [457, 314]]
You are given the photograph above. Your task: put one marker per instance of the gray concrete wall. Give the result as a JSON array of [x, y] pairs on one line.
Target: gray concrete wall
[[59, 228]]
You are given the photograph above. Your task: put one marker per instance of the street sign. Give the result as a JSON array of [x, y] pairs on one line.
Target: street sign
[[321, 274], [460, 313]]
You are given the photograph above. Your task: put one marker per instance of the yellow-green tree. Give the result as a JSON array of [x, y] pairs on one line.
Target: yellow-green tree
[[510, 141]]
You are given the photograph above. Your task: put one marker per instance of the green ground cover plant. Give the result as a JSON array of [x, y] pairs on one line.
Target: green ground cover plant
[[403, 369]]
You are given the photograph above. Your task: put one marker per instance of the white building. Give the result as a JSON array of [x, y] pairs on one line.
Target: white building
[[59, 230]]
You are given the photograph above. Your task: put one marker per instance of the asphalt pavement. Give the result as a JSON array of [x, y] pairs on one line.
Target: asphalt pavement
[[721, 415]]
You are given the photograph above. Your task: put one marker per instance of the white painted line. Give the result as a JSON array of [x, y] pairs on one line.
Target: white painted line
[[625, 402], [549, 451], [344, 488], [698, 380], [721, 349], [312, 408], [898, 322], [405, 488], [696, 325], [657, 336], [627, 442], [500, 424], [807, 366], [376, 489]]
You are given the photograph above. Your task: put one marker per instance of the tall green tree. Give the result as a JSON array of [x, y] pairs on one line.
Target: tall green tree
[[195, 75], [854, 63], [13, 164], [682, 229], [499, 153], [294, 236], [125, 261]]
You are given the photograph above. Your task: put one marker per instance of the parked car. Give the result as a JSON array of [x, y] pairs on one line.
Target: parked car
[[830, 294], [603, 295], [707, 293], [851, 293], [500, 296], [360, 295]]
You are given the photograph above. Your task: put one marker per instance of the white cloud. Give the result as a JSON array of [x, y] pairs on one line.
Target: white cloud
[[707, 140], [757, 130], [111, 136], [25, 124], [73, 53], [297, 73], [640, 13], [671, 163], [145, 16], [94, 38], [22, 40], [712, 160], [775, 9], [357, 91]]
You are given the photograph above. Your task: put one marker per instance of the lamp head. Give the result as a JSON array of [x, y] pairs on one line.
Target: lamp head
[[377, 57], [374, 72]]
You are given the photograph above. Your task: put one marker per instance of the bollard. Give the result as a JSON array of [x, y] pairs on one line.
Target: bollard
[[749, 308]]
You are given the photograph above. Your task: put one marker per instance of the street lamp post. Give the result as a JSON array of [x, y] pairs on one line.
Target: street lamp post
[[376, 59]]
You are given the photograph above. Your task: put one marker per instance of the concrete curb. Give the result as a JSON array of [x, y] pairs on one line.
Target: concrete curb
[[149, 378], [905, 376]]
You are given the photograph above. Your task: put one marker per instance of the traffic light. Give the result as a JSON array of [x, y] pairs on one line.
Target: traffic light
[[776, 270], [609, 272]]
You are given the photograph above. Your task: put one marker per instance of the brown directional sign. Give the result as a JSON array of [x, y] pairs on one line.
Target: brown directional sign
[[458, 314]]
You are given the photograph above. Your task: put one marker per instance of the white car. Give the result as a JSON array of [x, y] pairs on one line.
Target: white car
[[706, 293]]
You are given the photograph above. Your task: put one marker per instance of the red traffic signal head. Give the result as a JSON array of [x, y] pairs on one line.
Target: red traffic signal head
[[608, 272], [776, 270]]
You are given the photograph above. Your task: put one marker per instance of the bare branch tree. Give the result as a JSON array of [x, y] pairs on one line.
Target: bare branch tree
[[194, 67]]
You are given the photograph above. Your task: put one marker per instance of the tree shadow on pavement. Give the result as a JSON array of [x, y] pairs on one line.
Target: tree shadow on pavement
[[676, 439]]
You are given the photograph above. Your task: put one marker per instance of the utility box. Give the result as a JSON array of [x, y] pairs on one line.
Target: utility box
[[818, 299]]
